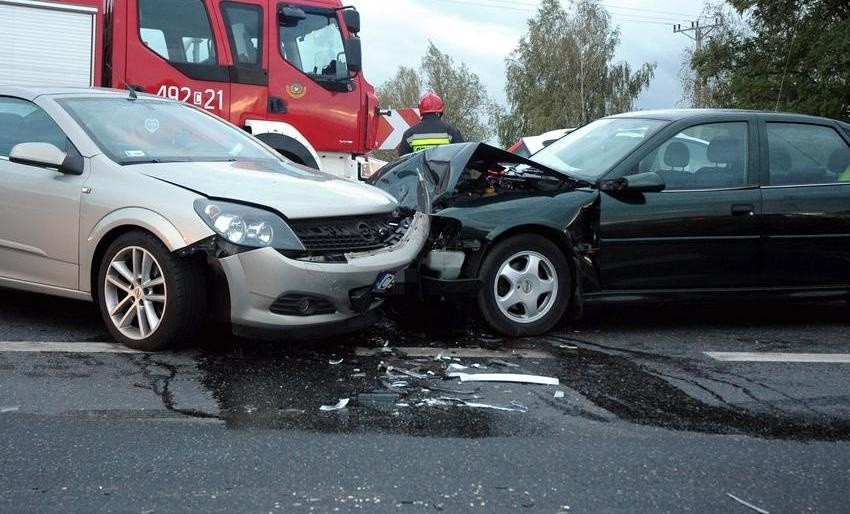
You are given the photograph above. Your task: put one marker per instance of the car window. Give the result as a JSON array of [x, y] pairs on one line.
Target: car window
[[24, 122], [803, 154], [709, 156], [314, 45], [177, 30], [244, 29]]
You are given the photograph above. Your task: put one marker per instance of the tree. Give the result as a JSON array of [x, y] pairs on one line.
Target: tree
[[466, 99], [562, 74], [791, 55]]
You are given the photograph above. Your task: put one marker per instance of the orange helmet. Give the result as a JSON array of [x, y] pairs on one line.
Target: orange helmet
[[431, 104]]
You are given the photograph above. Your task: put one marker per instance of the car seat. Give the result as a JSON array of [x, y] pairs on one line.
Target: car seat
[[677, 155], [728, 152]]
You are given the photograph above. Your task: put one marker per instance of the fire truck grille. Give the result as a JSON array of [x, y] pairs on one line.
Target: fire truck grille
[[345, 235]]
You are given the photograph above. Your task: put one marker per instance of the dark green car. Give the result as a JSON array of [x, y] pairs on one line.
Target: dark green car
[[662, 205]]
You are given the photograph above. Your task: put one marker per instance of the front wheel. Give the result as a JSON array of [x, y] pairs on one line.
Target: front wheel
[[526, 286], [149, 298]]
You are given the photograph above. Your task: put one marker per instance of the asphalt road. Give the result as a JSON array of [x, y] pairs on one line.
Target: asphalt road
[[642, 421]]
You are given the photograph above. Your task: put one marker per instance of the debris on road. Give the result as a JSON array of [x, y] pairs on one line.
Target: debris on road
[[504, 377], [4, 410], [377, 397], [336, 362], [559, 394], [499, 362], [515, 406], [343, 403], [747, 504]]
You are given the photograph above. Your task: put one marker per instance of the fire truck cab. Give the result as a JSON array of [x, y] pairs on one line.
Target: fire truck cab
[[289, 72]]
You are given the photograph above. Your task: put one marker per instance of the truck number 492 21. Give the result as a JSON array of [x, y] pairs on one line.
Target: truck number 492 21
[[210, 99]]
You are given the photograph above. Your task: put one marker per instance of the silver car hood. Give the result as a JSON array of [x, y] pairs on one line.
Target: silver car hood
[[292, 191]]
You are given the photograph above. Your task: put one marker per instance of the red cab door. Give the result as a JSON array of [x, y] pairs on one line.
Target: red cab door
[[175, 49]]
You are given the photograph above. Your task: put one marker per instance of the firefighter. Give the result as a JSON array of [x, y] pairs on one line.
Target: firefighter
[[431, 131]]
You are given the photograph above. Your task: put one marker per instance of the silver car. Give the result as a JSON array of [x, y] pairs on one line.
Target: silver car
[[167, 216]]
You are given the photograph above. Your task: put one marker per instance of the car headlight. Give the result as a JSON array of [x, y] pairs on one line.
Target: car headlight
[[247, 226]]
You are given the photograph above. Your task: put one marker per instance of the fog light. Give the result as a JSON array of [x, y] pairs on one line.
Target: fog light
[[303, 306]]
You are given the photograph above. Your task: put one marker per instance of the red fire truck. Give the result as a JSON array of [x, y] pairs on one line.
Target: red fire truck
[[289, 72]]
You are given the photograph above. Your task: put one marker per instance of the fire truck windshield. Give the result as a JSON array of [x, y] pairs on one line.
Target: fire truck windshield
[[153, 131], [314, 45]]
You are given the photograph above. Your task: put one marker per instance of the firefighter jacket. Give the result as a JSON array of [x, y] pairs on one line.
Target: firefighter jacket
[[430, 132]]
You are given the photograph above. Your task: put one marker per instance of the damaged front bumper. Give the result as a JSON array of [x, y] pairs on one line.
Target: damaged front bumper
[[273, 296]]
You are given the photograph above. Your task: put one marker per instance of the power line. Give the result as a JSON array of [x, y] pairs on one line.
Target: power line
[[518, 7]]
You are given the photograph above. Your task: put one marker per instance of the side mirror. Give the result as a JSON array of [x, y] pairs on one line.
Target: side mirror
[[650, 182], [354, 54], [290, 16], [45, 155], [352, 20]]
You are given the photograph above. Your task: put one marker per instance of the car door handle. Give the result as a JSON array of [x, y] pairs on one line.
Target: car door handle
[[743, 210]]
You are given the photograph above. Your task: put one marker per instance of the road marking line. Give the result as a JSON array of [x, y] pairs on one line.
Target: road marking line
[[47, 347], [468, 353], [780, 357]]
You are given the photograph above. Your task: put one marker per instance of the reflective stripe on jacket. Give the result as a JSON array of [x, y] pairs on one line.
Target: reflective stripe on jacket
[[430, 132]]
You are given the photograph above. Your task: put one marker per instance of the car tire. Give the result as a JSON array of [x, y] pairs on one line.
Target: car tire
[[149, 298], [527, 285]]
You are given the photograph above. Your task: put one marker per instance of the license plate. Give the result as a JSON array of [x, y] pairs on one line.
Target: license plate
[[384, 282]]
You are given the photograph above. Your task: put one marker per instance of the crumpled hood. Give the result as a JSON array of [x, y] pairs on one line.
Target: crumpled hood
[[295, 192]]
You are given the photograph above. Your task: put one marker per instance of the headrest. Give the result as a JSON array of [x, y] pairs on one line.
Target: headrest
[[724, 150], [780, 159], [677, 155], [839, 160]]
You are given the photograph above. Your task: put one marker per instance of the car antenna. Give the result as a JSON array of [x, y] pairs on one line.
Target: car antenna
[[133, 95]]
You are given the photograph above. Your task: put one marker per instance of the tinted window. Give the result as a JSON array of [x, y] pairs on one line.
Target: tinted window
[[24, 122], [314, 46], [806, 154], [177, 30], [244, 30], [709, 156]]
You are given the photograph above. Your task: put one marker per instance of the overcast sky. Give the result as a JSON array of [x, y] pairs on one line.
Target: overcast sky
[[482, 33]]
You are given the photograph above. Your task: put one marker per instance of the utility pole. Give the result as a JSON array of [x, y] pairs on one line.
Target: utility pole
[[699, 33]]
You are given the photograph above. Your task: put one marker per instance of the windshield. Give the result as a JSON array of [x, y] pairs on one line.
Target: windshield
[[592, 150], [314, 45], [142, 131]]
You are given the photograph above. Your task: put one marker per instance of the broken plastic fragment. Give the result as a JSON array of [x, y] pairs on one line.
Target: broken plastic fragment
[[505, 377], [456, 367], [4, 410], [475, 405], [333, 362], [559, 394], [343, 403], [747, 504], [499, 362]]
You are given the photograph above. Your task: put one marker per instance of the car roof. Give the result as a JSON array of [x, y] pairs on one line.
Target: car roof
[[33, 92], [684, 114]]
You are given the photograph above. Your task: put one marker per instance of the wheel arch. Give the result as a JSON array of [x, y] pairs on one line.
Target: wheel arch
[[113, 226], [290, 148], [561, 239]]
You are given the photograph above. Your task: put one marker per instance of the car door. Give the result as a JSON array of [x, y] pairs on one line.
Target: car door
[[702, 230], [806, 203], [39, 207]]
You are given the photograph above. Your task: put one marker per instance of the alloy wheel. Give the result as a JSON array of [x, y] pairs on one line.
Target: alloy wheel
[[135, 292], [526, 287]]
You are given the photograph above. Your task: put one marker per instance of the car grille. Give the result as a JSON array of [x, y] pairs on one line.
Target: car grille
[[346, 235], [302, 305]]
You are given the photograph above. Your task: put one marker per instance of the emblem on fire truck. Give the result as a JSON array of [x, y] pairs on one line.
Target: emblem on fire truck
[[296, 90]]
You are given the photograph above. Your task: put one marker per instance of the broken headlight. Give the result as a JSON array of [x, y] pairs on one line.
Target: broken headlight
[[247, 226]]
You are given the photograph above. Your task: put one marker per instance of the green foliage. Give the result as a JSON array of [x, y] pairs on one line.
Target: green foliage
[[467, 103], [792, 55], [562, 73]]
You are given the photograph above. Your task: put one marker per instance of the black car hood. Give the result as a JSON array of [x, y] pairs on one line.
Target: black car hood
[[440, 169]]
